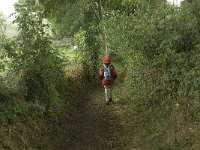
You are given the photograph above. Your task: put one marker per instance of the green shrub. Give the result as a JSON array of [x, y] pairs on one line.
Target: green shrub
[[161, 64]]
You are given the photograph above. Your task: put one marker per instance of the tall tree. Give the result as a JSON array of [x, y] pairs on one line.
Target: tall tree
[[2, 23], [155, 4], [2, 30]]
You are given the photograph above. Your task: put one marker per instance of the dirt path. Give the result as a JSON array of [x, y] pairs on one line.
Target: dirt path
[[96, 126]]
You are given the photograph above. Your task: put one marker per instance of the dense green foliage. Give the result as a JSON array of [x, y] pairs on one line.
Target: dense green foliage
[[156, 43], [35, 91], [75, 17], [161, 64]]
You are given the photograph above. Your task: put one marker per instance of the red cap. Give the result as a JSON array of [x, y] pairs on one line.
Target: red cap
[[107, 60]]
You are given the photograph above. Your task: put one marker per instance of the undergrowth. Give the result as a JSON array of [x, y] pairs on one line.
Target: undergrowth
[[161, 77]]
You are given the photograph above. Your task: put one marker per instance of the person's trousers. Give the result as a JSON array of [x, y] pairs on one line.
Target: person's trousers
[[108, 92]]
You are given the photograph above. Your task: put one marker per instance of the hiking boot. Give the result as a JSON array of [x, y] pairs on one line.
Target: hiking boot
[[108, 103], [110, 100]]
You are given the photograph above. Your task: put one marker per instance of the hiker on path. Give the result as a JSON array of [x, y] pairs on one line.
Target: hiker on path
[[108, 76]]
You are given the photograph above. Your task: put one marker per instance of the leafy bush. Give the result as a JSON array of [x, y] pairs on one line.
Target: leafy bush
[[159, 53]]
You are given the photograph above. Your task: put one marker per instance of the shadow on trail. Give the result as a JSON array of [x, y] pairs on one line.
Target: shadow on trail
[[95, 126]]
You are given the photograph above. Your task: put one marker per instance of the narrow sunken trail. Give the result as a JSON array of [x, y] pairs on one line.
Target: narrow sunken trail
[[95, 126]]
